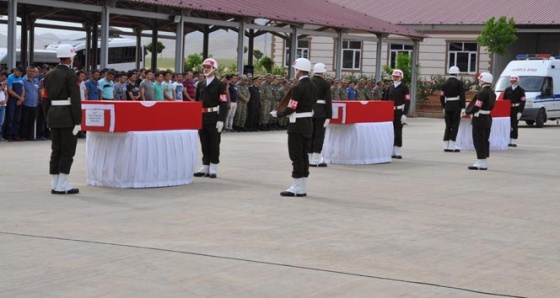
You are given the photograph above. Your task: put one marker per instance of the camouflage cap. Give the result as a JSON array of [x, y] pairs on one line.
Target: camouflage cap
[[243, 77], [268, 75], [256, 78], [279, 77]]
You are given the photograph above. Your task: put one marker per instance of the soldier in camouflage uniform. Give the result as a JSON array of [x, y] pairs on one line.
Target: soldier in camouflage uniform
[[243, 97], [276, 86], [360, 92], [378, 91], [342, 90], [266, 102], [335, 93], [369, 90], [285, 86]]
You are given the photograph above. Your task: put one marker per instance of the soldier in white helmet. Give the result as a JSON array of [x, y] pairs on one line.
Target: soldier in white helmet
[[400, 95], [480, 108], [453, 103], [299, 108], [63, 112], [516, 95], [213, 95], [322, 114]]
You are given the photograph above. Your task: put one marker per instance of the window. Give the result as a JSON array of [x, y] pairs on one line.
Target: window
[[396, 49], [351, 54], [463, 55], [122, 55], [302, 51]]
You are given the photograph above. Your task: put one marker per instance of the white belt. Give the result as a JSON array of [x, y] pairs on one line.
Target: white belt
[[321, 101], [64, 102], [293, 116], [515, 105], [481, 112], [401, 107], [213, 109], [451, 98]]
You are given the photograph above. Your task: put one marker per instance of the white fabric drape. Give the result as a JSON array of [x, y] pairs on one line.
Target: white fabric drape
[[141, 159], [499, 134], [358, 144]]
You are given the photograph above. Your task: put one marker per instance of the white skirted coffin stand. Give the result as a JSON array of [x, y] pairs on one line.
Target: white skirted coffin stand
[[499, 134], [358, 144], [140, 159]]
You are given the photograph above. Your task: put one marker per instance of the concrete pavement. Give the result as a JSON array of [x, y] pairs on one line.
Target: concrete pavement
[[423, 226]]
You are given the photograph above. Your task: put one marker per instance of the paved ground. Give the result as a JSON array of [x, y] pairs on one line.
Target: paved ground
[[423, 226]]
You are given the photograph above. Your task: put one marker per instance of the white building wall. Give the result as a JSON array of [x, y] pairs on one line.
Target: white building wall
[[432, 58]]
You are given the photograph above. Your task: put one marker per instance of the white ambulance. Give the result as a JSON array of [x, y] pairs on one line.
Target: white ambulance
[[539, 75]]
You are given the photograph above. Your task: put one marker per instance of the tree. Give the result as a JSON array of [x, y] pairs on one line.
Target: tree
[[267, 63], [498, 35], [193, 62], [159, 47]]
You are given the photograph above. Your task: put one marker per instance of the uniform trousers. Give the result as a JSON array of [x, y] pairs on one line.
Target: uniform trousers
[[240, 114], [265, 112], [318, 136], [481, 139], [514, 122], [63, 147], [252, 115], [397, 128], [452, 120], [298, 148], [210, 143]]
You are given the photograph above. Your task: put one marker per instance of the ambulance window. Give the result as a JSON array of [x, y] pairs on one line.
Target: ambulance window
[[532, 84]]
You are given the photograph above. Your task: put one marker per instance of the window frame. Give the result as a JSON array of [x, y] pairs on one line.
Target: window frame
[[471, 65]]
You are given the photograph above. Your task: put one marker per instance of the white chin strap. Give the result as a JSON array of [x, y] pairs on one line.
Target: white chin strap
[[211, 72]]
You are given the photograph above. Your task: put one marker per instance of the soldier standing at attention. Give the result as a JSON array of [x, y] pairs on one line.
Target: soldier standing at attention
[[452, 99], [400, 95], [243, 96], [343, 90], [213, 95], [516, 95], [266, 100], [335, 93], [480, 108], [322, 114], [64, 115], [300, 128]]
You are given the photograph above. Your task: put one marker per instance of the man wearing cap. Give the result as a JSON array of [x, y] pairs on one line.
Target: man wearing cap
[[378, 91], [243, 97], [399, 93], [452, 100], [63, 112], [343, 90], [299, 109], [335, 93], [322, 114], [276, 87], [360, 91], [266, 102], [213, 95], [253, 107], [516, 95]]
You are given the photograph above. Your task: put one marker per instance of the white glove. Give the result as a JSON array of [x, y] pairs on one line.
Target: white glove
[[403, 119], [76, 129], [463, 113], [327, 121], [274, 114], [220, 126], [518, 116]]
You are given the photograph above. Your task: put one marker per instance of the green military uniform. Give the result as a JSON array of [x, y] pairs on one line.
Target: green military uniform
[[343, 93], [266, 100], [360, 91], [335, 93], [368, 91], [63, 112], [275, 98], [243, 97]]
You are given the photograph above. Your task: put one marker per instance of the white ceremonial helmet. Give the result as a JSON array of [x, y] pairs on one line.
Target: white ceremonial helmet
[[65, 51], [397, 73], [211, 62], [302, 64], [454, 70], [486, 77], [319, 68]]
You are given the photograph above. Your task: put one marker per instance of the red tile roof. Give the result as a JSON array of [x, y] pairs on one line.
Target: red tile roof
[[316, 12], [453, 12]]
